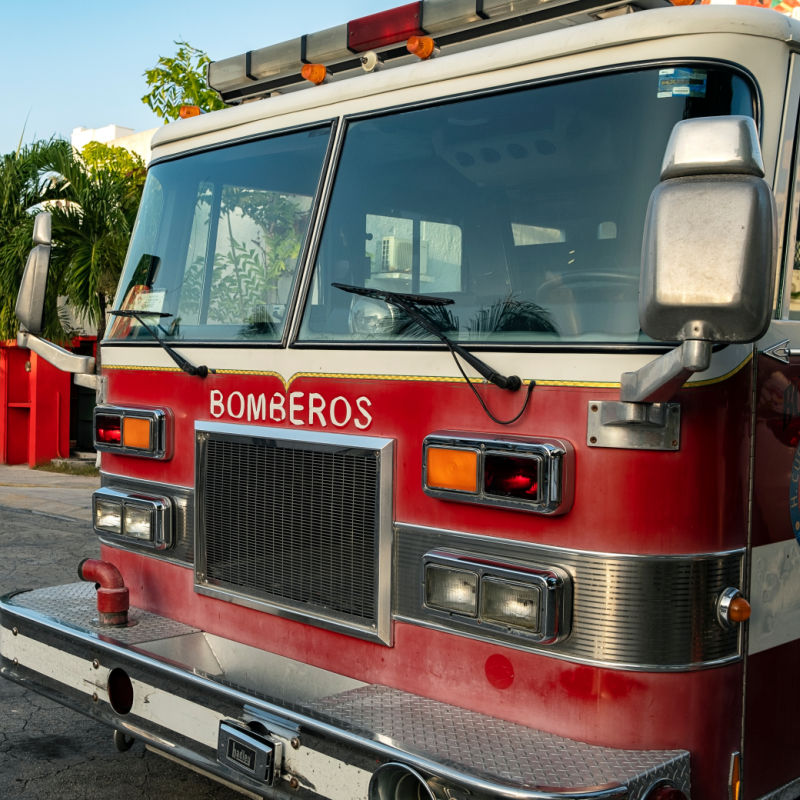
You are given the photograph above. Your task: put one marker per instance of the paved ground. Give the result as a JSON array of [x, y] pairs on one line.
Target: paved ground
[[50, 493], [48, 751]]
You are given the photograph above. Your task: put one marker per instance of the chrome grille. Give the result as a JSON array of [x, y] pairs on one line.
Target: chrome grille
[[295, 522]]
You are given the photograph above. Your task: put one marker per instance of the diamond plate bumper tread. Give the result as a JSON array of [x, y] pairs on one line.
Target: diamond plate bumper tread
[[495, 749], [75, 605], [488, 750]]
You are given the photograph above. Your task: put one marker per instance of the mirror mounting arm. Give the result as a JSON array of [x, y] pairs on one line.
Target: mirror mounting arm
[[658, 381], [55, 355]]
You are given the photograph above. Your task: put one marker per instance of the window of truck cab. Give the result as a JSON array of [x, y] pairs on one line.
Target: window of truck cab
[[525, 208], [218, 241]]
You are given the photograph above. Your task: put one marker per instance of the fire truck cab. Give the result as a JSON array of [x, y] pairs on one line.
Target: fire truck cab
[[450, 417]]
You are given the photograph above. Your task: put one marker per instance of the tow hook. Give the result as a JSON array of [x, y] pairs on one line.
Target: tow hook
[[112, 594]]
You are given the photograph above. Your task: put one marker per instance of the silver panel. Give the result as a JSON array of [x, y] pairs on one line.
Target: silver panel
[[297, 524], [774, 595], [324, 47], [655, 613], [477, 754], [634, 426], [269, 62]]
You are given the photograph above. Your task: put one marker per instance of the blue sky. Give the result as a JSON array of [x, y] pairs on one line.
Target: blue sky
[[81, 63]]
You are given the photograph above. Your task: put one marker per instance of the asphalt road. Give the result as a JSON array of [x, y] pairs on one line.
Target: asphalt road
[[48, 751]]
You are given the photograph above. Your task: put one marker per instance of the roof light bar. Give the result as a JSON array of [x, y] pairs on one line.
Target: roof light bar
[[257, 73]]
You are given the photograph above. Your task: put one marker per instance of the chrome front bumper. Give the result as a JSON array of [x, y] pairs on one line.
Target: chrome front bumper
[[328, 733]]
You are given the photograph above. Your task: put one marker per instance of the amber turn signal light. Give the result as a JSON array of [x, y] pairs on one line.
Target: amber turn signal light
[[315, 73], [136, 433], [732, 608], [187, 111], [421, 46], [449, 468]]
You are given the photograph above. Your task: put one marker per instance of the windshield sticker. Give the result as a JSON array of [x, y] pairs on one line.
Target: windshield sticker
[[149, 301], [681, 82]]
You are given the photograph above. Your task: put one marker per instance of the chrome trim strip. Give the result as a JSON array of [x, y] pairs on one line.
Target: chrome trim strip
[[381, 630], [636, 612]]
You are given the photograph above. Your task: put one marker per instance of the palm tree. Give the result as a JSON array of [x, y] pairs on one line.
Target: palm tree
[[93, 214], [21, 192]]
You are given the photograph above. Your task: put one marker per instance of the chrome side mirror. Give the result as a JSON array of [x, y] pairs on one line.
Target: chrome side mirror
[[30, 299], [708, 255], [709, 241]]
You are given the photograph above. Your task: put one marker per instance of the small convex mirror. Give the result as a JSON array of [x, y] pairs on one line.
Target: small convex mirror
[[708, 255]]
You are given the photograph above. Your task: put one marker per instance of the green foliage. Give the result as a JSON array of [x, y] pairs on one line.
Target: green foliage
[[180, 80], [99, 157], [92, 228], [93, 199], [24, 184]]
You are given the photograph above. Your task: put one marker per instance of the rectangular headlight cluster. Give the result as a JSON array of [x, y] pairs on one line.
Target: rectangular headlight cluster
[[531, 474], [132, 431], [528, 601], [133, 518]]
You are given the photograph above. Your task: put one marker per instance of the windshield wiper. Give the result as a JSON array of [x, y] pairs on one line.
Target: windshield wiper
[[191, 369], [410, 304]]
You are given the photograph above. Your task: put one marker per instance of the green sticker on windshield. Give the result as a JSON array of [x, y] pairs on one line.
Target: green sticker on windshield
[[681, 82]]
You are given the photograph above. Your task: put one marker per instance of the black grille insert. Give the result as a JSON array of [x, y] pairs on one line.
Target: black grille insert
[[292, 522]]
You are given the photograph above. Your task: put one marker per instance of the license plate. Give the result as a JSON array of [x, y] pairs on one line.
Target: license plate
[[245, 751]]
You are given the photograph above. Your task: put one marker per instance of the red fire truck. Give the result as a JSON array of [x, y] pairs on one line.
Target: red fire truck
[[450, 417]]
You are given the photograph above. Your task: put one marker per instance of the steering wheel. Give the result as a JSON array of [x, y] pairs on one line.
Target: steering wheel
[[566, 295]]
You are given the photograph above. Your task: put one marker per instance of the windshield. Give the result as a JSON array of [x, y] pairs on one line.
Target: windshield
[[218, 240], [525, 208]]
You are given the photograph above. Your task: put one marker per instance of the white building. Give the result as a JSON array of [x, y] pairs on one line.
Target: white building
[[116, 135]]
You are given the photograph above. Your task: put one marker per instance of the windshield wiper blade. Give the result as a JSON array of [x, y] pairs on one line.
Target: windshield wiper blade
[[410, 304], [186, 366]]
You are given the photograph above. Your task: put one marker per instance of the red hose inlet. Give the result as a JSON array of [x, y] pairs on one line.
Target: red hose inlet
[[112, 594]]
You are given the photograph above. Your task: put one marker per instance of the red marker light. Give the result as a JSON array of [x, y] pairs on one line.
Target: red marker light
[[385, 27], [511, 476], [108, 429]]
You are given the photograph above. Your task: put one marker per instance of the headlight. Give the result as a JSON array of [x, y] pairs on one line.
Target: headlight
[[451, 590], [108, 515], [509, 603], [476, 594], [133, 518], [139, 522]]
